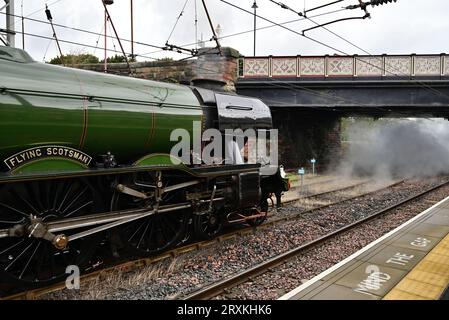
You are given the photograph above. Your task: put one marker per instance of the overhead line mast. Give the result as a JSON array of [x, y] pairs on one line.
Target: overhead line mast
[[50, 19], [105, 3], [9, 40], [212, 27]]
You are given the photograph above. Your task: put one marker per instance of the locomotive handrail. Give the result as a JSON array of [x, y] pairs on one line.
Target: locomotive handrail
[[242, 108], [96, 98], [204, 171]]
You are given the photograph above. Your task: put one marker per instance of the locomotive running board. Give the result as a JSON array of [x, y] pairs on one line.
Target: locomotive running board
[[200, 172]]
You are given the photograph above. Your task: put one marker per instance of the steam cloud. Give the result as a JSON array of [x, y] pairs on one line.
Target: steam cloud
[[402, 148]]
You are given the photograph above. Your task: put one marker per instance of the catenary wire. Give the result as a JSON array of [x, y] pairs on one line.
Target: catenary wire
[[307, 37]]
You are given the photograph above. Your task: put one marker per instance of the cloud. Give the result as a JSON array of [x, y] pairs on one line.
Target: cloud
[[408, 26]]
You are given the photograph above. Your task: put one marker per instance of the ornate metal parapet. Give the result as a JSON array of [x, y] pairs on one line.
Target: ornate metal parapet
[[404, 66]]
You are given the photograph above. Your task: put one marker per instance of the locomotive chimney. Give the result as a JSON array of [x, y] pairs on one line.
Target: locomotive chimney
[[214, 71]]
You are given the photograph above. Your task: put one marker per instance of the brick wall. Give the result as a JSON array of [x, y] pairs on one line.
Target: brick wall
[[209, 65], [303, 137]]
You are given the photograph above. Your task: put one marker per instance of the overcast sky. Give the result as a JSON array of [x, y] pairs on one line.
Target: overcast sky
[[408, 26]]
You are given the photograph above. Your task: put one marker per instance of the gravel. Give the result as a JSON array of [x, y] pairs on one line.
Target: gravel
[[176, 278], [292, 274]]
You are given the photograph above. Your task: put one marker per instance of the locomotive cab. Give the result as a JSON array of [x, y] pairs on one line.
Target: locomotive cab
[[240, 117]]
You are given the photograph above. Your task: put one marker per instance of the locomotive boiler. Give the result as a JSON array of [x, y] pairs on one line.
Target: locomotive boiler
[[85, 157]]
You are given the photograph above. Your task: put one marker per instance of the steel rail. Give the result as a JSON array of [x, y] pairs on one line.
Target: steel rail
[[335, 190], [142, 262], [346, 199], [218, 288]]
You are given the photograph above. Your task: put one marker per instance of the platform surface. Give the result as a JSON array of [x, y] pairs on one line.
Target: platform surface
[[410, 262]]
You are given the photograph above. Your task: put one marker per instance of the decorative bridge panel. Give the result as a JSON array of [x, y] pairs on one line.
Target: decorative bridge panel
[[340, 66], [446, 65], [311, 66], [398, 66], [369, 66], [284, 67], [348, 66], [256, 67], [427, 65]]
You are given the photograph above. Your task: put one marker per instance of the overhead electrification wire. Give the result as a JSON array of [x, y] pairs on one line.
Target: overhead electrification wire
[[50, 19], [177, 20], [46, 50], [86, 31], [300, 34], [215, 38], [99, 37], [260, 28], [366, 52], [310, 38], [78, 44], [110, 32], [282, 26], [399, 72], [40, 10]]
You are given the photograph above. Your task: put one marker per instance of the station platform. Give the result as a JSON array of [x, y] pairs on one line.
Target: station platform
[[409, 263]]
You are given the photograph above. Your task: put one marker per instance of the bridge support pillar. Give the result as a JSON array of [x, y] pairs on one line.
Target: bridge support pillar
[[303, 137]]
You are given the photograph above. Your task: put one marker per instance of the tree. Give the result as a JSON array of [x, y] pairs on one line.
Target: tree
[[118, 59], [71, 59]]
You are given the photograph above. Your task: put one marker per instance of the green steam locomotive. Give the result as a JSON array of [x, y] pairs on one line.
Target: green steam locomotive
[[86, 157]]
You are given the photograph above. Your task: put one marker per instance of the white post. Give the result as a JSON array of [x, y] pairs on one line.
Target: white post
[[301, 173], [313, 161], [10, 36]]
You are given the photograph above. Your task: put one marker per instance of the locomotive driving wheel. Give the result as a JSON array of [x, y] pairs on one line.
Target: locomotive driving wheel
[[31, 261], [208, 224], [157, 232]]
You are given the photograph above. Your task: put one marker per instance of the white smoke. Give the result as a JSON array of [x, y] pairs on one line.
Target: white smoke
[[401, 148]]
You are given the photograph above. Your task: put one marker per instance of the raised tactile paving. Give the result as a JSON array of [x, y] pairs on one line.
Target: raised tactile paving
[[411, 262], [430, 277]]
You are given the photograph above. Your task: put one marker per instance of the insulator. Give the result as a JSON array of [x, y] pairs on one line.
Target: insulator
[[381, 2], [48, 13]]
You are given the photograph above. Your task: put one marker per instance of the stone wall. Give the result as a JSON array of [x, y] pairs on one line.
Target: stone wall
[[208, 66]]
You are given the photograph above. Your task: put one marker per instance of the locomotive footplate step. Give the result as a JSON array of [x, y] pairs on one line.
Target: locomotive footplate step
[[410, 262]]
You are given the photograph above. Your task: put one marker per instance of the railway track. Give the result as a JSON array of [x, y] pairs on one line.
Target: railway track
[[225, 285], [129, 266], [315, 183], [346, 188], [325, 193]]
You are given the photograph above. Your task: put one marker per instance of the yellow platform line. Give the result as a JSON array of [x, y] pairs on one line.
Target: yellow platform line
[[428, 280]]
